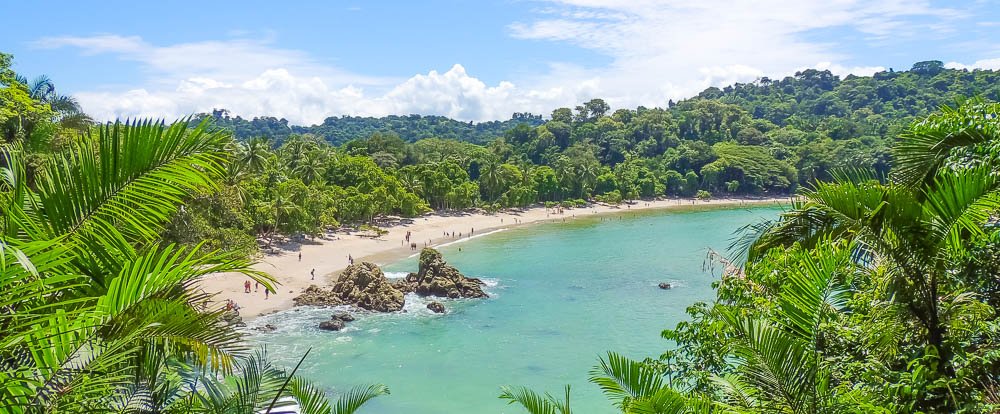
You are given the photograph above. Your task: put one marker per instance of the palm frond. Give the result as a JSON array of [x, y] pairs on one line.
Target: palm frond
[[925, 148], [624, 380], [534, 402], [356, 397]]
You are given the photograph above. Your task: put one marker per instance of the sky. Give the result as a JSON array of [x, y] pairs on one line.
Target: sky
[[471, 60]]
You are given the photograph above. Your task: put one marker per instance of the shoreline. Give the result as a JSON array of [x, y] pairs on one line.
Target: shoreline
[[328, 255]]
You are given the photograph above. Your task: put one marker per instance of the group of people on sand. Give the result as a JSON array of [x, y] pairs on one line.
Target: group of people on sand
[[453, 235], [256, 287], [232, 306]]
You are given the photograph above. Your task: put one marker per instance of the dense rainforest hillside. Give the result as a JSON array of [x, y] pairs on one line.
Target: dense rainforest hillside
[[338, 130], [811, 101]]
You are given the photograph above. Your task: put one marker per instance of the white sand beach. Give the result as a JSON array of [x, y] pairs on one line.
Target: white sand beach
[[330, 255]]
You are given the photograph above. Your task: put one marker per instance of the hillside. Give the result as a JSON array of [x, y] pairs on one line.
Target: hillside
[[338, 130]]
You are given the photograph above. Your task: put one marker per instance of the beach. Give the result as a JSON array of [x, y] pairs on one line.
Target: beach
[[293, 264]]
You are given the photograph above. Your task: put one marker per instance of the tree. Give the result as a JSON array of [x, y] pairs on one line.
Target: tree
[[915, 226], [97, 309]]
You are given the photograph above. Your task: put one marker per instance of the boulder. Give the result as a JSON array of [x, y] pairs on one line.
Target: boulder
[[436, 307], [232, 317], [344, 316], [332, 325], [665, 285], [435, 277]]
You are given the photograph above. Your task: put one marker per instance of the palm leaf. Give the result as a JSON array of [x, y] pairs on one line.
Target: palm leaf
[[536, 403], [624, 380]]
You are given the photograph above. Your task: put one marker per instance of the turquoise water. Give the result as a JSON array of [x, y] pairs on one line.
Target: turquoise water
[[562, 294]]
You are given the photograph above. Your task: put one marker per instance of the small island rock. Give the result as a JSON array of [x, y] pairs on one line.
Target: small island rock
[[435, 277], [344, 316], [332, 325], [436, 307], [665, 285]]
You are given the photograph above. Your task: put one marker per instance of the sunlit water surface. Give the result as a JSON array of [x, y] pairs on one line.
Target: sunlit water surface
[[561, 295]]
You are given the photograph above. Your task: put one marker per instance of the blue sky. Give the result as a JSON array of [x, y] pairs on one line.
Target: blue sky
[[471, 60]]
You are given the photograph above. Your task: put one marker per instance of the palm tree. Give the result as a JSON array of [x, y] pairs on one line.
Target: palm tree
[[312, 167], [254, 154], [588, 177], [66, 109], [98, 314], [490, 175]]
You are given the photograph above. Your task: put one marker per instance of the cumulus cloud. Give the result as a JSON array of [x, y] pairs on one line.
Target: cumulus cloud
[[253, 78], [658, 49], [991, 64]]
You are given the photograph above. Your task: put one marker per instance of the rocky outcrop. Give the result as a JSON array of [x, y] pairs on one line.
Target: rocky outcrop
[[362, 285], [332, 325], [435, 277], [436, 307], [401, 285], [233, 318], [665, 285], [344, 316], [316, 296], [365, 286]]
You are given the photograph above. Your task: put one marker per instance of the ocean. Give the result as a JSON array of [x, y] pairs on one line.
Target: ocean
[[562, 294]]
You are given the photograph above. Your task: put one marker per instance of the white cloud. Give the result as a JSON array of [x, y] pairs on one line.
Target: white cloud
[[659, 50], [670, 49], [991, 64], [253, 78]]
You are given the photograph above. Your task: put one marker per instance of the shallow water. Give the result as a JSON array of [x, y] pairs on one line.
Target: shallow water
[[562, 294]]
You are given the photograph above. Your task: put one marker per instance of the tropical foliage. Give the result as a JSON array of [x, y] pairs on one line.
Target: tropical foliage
[[870, 294], [768, 137], [101, 315]]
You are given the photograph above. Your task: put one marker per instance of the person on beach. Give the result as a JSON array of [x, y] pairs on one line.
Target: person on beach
[[350, 260], [313, 273], [266, 292], [246, 287], [300, 256], [256, 285]]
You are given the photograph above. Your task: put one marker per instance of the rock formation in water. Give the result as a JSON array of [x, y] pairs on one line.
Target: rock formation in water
[[665, 285], [344, 316], [332, 325], [436, 307], [365, 286], [362, 285], [435, 277]]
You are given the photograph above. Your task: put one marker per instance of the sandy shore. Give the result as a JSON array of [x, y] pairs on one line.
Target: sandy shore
[[328, 256]]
